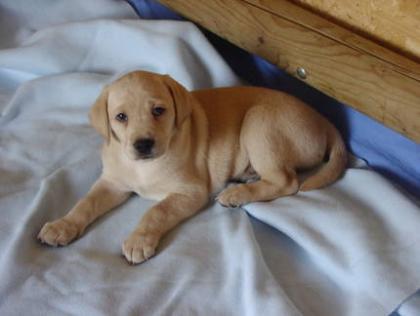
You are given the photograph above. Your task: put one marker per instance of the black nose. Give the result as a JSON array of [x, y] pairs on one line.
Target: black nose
[[144, 145]]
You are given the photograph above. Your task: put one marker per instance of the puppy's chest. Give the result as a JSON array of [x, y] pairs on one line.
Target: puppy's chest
[[151, 182]]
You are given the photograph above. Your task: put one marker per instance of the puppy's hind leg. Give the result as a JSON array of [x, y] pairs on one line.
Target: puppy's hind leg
[[272, 185], [266, 150]]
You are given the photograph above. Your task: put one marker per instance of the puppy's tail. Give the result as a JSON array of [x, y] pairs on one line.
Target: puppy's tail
[[335, 166]]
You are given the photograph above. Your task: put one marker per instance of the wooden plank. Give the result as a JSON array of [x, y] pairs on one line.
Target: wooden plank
[[317, 24], [385, 91], [397, 22]]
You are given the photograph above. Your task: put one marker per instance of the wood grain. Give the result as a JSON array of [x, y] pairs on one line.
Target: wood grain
[[317, 24], [383, 87], [394, 22]]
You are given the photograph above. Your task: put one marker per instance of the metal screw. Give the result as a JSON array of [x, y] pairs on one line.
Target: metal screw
[[301, 72]]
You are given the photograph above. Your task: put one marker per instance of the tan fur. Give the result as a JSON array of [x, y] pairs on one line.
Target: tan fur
[[203, 140]]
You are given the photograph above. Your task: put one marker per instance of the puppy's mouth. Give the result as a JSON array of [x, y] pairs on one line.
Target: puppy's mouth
[[146, 156]]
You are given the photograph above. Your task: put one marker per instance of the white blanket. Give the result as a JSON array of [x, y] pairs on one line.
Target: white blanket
[[350, 249]]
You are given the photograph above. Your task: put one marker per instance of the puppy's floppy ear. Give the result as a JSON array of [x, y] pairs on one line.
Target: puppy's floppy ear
[[182, 100], [99, 115]]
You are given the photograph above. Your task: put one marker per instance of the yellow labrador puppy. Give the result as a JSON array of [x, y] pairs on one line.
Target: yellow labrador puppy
[[178, 147]]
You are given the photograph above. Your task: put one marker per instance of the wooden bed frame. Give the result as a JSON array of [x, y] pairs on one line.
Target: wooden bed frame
[[373, 73]]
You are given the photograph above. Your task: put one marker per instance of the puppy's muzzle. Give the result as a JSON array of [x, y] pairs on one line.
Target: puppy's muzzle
[[144, 147]]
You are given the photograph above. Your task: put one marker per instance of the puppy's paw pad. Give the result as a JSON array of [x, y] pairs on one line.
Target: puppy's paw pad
[[139, 247], [58, 233], [233, 197]]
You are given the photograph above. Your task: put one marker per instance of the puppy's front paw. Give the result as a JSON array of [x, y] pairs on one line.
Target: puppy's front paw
[[139, 247], [234, 196], [59, 233]]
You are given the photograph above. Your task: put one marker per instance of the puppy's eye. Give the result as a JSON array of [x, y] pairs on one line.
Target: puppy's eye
[[158, 111], [121, 117]]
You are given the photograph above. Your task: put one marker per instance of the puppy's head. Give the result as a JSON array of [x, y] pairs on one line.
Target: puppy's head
[[142, 111]]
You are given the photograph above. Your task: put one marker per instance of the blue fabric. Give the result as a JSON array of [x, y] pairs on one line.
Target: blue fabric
[[386, 151]]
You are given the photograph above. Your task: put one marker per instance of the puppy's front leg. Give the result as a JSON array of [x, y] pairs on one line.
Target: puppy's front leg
[[102, 197], [158, 220]]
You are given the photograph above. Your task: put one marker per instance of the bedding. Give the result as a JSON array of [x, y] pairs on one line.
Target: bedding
[[349, 249]]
